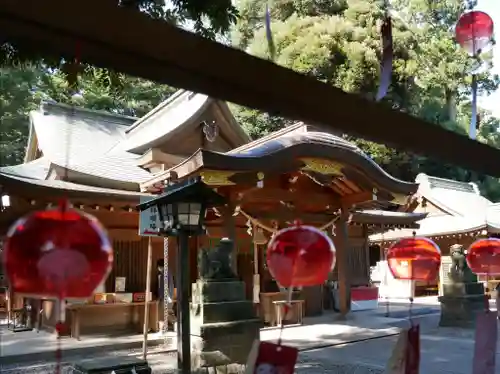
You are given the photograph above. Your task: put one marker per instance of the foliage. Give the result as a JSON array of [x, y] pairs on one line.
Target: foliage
[[16, 97], [338, 42], [209, 18]]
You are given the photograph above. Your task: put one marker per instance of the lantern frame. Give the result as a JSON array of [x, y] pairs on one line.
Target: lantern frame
[[182, 207]]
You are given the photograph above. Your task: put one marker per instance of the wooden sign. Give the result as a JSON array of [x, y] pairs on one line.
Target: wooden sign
[[446, 265], [149, 220], [120, 284]]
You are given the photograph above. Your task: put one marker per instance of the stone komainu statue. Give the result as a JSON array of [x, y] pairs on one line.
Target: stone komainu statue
[[215, 263], [460, 271]]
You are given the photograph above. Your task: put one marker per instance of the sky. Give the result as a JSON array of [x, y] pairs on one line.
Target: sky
[[492, 7]]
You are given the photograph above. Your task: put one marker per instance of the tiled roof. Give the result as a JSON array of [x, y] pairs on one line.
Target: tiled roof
[[464, 209], [72, 188], [37, 169], [115, 165], [435, 225], [83, 141], [456, 198], [292, 137], [74, 136]]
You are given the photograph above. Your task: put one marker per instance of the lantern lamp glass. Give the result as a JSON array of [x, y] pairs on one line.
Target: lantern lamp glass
[[166, 215], [188, 214], [181, 215]]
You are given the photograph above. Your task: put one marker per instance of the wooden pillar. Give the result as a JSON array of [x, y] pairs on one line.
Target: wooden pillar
[[366, 247], [342, 262], [166, 291]]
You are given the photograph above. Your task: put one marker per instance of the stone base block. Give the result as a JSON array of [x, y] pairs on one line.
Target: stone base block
[[215, 292], [220, 344], [223, 311], [461, 311], [463, 289], [224, 369]]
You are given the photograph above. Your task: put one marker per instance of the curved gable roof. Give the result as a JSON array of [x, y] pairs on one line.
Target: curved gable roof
[[164, 121], [173, 116], [288, 152]]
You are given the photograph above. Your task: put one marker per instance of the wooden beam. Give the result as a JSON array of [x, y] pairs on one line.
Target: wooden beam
[[283, 214], [342, 248], [218, 231], [50, 27], [356, 198], [277, 194], [342, 186]]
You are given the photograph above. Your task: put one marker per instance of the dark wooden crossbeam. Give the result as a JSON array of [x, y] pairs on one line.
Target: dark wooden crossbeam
[[132, 43]]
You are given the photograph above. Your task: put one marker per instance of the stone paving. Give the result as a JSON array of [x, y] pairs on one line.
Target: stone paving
[[443, 350]]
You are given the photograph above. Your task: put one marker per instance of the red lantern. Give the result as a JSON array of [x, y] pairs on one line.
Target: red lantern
[[414, 259], [474, 31], [483, 256], [300, 256], [57, 253]]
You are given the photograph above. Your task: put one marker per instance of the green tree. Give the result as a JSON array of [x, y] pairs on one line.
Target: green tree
[[16, 100], [339, 43]]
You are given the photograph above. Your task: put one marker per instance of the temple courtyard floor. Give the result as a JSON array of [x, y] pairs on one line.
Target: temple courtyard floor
[[362, 344]]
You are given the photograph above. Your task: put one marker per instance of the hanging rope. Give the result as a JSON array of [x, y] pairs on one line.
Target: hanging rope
[[272, 230], [269, 36], [72, 71], [387, 55], [473, 121]]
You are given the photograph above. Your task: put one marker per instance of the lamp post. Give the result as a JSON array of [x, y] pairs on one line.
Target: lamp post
[[182, 208]]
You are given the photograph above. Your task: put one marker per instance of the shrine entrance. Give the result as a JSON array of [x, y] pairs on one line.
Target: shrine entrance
[[296, 173]]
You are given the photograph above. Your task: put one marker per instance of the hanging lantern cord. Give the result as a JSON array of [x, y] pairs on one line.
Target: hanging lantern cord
[[61, 317], [412, 290], [487, 297], [386, 273], [288, 304]]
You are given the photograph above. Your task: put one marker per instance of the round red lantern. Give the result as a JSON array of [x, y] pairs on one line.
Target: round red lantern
[[59, 253], [414, 259], [483, 256], [300, 256], [474, 31]]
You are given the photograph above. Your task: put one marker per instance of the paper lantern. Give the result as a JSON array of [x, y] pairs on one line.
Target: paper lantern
[[300, 256], [474, 31], [414, 259], [483, 256], [59, 253]]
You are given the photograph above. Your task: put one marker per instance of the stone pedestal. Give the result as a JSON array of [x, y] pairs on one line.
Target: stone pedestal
[[460, 304], [223, 324]]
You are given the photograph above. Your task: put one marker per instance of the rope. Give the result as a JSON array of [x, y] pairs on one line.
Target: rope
[[272, 230]]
